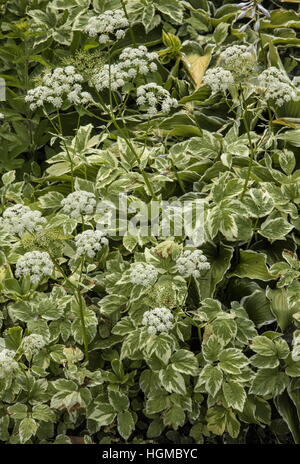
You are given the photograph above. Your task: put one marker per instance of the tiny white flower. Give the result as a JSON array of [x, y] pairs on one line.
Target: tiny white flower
[[191, 263], [19, 219], [143, 274], [152, 96], [239, 59], [7, 362], [35, 264], [59, 85], [89, 243], [276, 86], [79, 203], [218, 79], [32, 344], [109, 25], [158, 320]]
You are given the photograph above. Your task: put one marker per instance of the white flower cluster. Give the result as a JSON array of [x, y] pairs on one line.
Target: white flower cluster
[[1, 116], [110, 25], [57, 85], [19, 218], [276, 86], [132, 62], [191, 263], [89, 242], [152, 96], [32, 344], [239, 59], [36, 264], [143, 274], [218, 79], [79, 203], [7, 362], [158, 320]]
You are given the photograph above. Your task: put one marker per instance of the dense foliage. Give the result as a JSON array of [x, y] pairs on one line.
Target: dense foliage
[[146, 338]]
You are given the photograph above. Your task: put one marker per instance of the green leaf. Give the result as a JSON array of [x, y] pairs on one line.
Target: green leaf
[[258, 308], [281, 306], [51, 200], [224, 328], [27, 429], [18, 411], [13, 338], [180, 124], [124, 326], [212, 349], [118, 400], [185, 362], [212, 308], [131, 344], [157, 404], [259, 203], [220, 33], [64, 385], [234, 394], [232, 360], [275, 229], [103, 414], [219, 258], [264, 361], [211, 377], [174, 417], [252, 265], [172, 380], [4, 425], [269, 382], [171, 8], [296, 346], [43, 412], [216, 420], [125, 424], [288, 412], [263, 346], [155, 428], [161, 345], [8, 177], [147, 16], [232, 424], [130, 242]]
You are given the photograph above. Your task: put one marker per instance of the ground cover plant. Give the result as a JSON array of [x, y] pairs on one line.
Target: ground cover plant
[[142, 337]]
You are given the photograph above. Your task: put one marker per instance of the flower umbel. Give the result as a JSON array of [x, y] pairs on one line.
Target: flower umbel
[[239, 59], [276, 86], [32, 344], [89, 243], [7, 362], [19, 219], [191, 263], [152, 98], [218, 79], [133, 62], [158, 320], [36, 264], [110, 25], [143, 274], [79, 203], [58, 85]]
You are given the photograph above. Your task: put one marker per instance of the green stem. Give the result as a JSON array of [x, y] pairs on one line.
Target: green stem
[[181, 184], [130, 27], [252, 148], [67, 150], [130, 146], [84, 333], [78, 298]]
